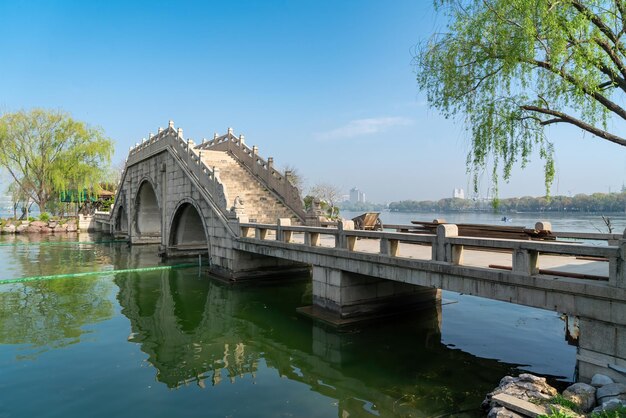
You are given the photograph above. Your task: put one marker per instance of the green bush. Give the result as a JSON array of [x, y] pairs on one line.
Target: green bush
[[560, 400], [616, 413], [31, 219], [44, 217]]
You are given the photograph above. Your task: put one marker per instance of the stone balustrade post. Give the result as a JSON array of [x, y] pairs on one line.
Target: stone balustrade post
[[525, 261], [260, 233], [281, 234], [255, 154], [312, 239], [443, 250], [245, 232], [617, 265], [389, 247], [341, 239]]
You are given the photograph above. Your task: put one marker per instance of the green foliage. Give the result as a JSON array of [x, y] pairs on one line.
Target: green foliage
[[560, 400], [362, 206], [47, 152], [511, 68], [44, 216], [616, 413], [556, 414], [596, 202], [106, 204], [31, 219]]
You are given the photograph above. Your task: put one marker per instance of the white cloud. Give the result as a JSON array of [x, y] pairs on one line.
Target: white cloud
[[359, 127]]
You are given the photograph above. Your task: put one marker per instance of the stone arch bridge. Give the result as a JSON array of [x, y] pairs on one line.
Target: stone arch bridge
[[220, 199], [189, 198]]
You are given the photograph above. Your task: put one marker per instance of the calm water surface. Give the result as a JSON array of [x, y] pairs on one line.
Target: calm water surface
[[174, 343]]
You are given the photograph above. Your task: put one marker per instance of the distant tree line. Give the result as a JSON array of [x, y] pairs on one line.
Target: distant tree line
[[362, 206], [596, 202]]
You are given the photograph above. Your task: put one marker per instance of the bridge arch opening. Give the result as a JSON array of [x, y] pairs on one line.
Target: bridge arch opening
[[147, 212], [188, 229], [121, 220]]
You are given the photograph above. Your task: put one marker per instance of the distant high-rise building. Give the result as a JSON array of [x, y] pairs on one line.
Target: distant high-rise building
[[356, 196], [458, 194]]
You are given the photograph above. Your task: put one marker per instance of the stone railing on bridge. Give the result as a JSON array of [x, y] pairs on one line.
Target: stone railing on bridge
[[262, 169], [448, 247], [172, 140]]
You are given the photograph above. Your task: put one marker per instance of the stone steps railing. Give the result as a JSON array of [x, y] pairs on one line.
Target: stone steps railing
[[262, 169]]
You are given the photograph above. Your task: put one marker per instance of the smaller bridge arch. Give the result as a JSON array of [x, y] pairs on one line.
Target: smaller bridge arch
[[121, 221], [146, 214], [187, 229]]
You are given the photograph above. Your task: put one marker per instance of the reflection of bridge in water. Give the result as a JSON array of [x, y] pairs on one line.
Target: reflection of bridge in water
[[220, 199], [205, 333]]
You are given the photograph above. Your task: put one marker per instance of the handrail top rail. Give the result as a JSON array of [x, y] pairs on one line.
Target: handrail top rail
[[550, 247]]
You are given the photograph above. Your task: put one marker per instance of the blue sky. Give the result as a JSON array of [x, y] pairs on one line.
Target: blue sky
[[325, 86]]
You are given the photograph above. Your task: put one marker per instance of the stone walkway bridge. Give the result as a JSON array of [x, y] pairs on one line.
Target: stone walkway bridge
[[221, 200]]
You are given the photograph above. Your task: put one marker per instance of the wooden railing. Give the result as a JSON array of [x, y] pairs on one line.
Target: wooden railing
[[446, 246]]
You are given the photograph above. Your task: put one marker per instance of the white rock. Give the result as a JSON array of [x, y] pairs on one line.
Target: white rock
[[612, 404], [600, 380], [610, 391]]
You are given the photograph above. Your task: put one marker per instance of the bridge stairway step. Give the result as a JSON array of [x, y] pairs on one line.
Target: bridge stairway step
[[260, 204]]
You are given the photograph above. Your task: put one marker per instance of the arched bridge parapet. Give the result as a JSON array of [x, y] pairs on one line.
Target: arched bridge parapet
[[166, 174]]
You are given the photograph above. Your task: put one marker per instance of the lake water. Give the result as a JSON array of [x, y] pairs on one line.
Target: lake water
[[177, 343]]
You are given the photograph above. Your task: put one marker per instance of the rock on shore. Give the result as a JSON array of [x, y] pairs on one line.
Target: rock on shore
[[529, 396], [39, 227]]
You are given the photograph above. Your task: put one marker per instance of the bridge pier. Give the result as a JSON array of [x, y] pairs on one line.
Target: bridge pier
[[341, 297], [240, 266], [601, 349]]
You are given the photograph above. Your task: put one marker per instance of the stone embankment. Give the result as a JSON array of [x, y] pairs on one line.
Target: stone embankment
[[39, 227], [531, 396]]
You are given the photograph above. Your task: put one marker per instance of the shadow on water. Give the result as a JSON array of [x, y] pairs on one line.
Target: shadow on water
[[202, 332]]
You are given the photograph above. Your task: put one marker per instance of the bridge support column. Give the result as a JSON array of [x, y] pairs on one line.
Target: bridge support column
[[601, 349], [341, 297]]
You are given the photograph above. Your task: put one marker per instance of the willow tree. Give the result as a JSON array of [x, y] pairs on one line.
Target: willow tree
[[46, 152], [510, 68]]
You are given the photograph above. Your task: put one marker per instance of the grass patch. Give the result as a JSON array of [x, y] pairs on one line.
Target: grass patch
[[556, 414], [616, 413], [564, 412], [560, 400]]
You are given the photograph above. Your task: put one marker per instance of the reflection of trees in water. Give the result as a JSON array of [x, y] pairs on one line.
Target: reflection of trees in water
[[46, 255], [51, 314], [198, 331]]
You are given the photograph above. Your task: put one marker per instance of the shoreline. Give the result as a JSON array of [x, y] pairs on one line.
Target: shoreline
[[40, 227]]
